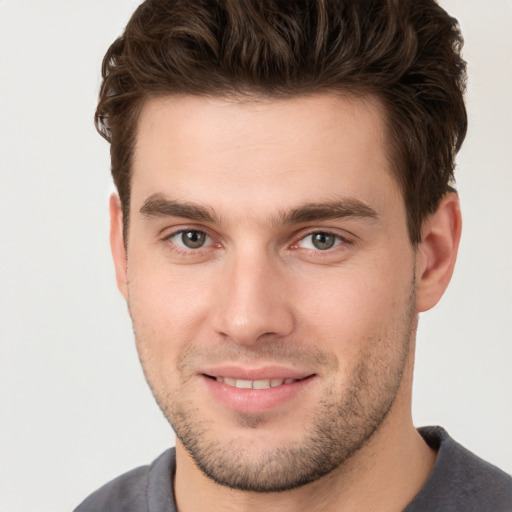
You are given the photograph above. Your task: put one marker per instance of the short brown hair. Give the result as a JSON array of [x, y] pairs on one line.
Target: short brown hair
[[405, 52]]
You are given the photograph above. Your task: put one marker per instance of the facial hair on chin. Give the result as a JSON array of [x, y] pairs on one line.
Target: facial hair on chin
[[337, 427]]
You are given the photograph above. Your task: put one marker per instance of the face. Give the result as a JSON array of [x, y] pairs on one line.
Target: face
[[270, 280]]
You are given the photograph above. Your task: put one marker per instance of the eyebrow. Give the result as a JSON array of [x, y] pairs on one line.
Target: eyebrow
[[157, 205], [330, 210]]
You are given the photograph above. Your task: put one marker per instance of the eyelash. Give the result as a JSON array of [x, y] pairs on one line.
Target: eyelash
[[338, 241], [188, 251]]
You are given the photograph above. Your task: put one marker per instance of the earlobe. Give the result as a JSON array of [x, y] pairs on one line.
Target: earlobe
[[117, 244], [437, 252]]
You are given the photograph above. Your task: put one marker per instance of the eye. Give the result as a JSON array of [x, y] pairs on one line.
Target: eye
[[320, 241], [190, 239]]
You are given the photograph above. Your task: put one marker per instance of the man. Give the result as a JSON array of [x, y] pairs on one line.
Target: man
[[284, 213]]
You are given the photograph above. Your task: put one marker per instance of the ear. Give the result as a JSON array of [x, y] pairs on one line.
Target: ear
[[437, 252], [117, 244]]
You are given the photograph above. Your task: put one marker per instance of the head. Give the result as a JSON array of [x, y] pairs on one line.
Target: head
[[285, 212]]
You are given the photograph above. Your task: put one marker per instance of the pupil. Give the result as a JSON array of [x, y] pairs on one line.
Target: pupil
[[323, 241], [193, 239]]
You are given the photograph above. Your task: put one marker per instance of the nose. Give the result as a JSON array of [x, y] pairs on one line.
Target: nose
[[252, 303]]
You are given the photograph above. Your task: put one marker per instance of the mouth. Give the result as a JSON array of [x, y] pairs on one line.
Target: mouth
[[259, 391], [255, 384]]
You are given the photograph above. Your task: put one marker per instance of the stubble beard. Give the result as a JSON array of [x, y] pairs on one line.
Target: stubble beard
[[339, 426]]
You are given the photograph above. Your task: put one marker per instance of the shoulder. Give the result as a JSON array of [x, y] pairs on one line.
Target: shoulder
[[135, 490], [461, 481]]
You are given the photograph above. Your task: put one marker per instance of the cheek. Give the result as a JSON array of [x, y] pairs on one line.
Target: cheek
[[352, 310], [168, 309]]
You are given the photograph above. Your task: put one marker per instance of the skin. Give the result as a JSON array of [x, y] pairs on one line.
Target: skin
[[259, 294]]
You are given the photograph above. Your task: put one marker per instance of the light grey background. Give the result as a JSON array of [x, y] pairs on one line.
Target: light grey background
[[74, 408]]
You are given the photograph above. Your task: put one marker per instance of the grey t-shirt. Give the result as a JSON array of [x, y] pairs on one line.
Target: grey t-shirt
[[459, 482]]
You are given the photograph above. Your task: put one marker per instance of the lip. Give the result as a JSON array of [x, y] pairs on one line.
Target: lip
[[254, 401]]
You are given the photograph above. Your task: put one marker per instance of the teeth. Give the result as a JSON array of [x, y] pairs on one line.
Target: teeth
[[254, 384], [260, 384], [243, 384]]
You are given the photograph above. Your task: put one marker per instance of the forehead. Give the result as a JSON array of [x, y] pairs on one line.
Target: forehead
[[302, 149]]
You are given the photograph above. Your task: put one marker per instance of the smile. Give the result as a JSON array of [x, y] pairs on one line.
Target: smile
[[256, 393], [254, 384]]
